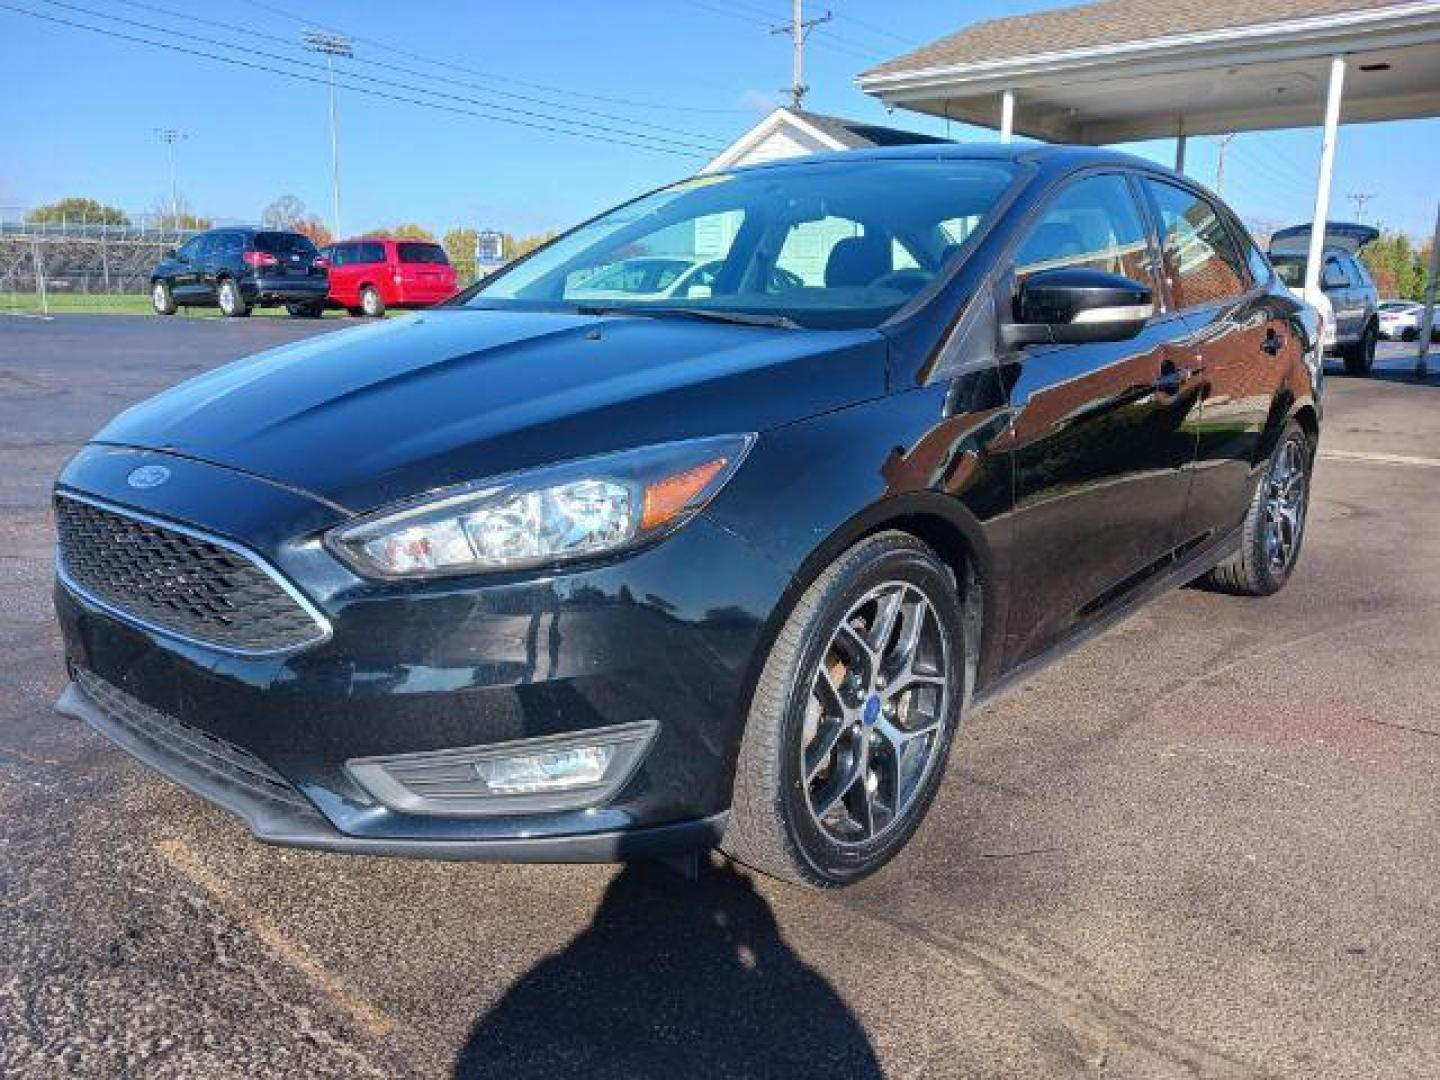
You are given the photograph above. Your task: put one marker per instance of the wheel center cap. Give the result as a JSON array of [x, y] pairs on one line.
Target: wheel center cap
[[872, 710]]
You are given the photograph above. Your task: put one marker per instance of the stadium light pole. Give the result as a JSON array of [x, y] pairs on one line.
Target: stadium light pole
[[331, 46], [170, 136]]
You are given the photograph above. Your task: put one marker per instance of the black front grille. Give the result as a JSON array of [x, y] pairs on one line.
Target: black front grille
[[176, 581], [220, 762]]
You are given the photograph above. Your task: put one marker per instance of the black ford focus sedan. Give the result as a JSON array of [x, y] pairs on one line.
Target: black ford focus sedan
[[541, 575]]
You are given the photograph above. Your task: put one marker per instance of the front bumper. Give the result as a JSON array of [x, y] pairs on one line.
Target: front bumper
[[668, 636]]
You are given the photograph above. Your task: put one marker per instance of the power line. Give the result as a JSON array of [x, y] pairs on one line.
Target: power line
[[389, 96], [570, 126], [631, 103], [429, 75]]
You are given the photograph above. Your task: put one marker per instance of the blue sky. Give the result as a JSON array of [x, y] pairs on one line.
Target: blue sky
[[81, 110]]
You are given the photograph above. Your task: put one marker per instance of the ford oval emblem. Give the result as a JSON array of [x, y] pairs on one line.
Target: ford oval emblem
[[148, 476]]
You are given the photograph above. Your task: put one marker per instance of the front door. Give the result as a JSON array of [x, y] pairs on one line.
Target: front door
[[1101, 436]]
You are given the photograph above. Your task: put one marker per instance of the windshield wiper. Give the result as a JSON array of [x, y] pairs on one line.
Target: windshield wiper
[[741, 318]]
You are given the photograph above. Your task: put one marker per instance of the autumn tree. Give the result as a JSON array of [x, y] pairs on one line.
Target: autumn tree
[[283, 213], [75, 210]]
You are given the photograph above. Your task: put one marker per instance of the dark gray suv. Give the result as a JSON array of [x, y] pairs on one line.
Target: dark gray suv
[[1354, 300], [239, 269]]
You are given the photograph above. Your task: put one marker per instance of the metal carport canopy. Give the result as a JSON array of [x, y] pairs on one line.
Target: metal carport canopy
[[1124, 70]]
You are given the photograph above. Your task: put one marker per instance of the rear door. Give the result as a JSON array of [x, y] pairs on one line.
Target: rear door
[[1336, 283], [1101, 436], [207, 266], [1220, 284], [425, 264]]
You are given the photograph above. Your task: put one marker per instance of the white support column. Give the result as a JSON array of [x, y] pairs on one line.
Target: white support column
[[1180, 152], [1007, 116], [1322, 183], [1427, 321]]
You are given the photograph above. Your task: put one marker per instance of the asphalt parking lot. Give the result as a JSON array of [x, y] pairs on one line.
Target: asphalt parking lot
[[1204, 845]]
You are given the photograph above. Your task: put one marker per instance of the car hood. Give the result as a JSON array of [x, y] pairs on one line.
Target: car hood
[[365, 417]]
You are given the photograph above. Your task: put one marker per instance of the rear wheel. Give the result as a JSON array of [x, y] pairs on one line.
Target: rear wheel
[[372, 304], [1360, 357], [853, 717], [162, 299], [1275, 525], [232, 303]]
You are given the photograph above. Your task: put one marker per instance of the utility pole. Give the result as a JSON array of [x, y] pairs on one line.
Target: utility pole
[[170, 136], [1224, 141], [331, 46], [799, 29], [1360, 198]]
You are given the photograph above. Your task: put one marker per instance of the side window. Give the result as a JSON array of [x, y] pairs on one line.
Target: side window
[[229, 245], [190, 250], [1334, 275], [1200, 257], [369, 253], [1093, 223], [1359, 275], [1254, 258]]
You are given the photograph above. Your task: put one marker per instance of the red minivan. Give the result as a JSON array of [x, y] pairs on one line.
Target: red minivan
[[371, 274]]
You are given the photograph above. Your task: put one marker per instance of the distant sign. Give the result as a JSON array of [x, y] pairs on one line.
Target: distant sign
[[490, 248]]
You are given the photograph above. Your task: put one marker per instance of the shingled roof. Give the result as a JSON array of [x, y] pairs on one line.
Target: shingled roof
[[859, 135], [1108, 23]]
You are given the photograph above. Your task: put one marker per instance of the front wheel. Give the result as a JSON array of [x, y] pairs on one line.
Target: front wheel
[[1360, 357], [852, 719], [1275, 526], [162, 299], [232, 303]]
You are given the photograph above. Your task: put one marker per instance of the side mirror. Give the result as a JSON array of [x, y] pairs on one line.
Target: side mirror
[[1073, 305]]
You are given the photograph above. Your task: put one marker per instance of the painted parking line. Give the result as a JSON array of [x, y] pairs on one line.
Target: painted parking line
[[1377, 458], [370, 1018]]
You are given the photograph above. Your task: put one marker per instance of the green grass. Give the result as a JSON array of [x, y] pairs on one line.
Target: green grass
[[78, 304]]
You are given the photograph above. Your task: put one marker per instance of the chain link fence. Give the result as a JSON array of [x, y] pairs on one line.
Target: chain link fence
[[77, 264]]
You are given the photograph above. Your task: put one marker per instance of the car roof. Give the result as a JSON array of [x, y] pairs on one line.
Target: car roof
[[1048, 154]]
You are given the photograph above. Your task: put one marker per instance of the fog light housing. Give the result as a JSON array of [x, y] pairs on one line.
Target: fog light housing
[[529, 776]]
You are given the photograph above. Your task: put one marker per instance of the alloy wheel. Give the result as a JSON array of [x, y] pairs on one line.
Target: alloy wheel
[[1285, 502], [158, 297], [875, 712]]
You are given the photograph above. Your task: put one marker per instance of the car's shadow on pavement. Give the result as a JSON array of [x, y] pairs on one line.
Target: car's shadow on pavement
[[674, 978]]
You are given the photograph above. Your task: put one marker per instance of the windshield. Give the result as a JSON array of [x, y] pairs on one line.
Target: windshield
[[832, 245], [285, 244], [421, 253]]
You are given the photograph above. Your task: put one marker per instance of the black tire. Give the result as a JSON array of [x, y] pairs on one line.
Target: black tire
[[1360, 357], [161, 298], [231, 299], [1252, 571], [372, 304], [772, 827], [311, 310]]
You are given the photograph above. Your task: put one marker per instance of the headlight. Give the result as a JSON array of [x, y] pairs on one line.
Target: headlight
[[576, 510]]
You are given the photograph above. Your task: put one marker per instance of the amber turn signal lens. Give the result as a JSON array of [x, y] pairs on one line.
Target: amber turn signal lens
[[668, 498]]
